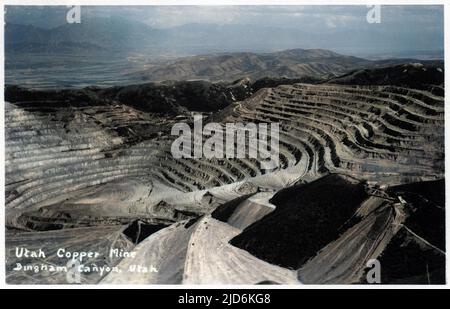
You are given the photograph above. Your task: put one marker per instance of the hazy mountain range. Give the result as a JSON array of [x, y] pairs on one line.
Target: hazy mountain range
[[119, 34], [110, 51], [293, 63]]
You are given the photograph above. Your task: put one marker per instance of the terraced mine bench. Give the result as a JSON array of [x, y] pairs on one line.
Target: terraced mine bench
[[97, 168]]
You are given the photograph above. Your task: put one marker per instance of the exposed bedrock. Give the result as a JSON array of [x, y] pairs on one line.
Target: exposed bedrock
[[332, 228], [99, 159], [304, 220], [404, 233]]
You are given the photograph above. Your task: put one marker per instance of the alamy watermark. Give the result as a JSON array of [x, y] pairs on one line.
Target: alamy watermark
[[229, 141], [73, 16], [374, 273], [374, 14]]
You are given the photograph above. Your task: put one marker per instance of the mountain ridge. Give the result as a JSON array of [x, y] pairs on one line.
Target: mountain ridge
[[119, 33], [291, 63]]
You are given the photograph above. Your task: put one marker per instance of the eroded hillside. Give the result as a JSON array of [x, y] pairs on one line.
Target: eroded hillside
[[98, 166]]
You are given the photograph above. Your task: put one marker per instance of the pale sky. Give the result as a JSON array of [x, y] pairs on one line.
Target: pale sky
[[401, 27]]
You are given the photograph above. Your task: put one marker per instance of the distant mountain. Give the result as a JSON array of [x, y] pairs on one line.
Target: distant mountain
[[94, 35], [102, 38], [118, 34], [230, 66], [121, 34], [291, 64]]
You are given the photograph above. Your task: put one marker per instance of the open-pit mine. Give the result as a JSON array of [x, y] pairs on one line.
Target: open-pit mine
[[360, 178]]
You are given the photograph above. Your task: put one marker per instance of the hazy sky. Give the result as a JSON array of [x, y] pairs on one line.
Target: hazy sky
[[414, 25], [317, 18]]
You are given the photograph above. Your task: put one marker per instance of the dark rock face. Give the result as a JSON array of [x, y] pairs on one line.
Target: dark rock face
[[417, 253], [429, 191], [165, 98], [53, 98], [268, 82], [314, 222], [174, 97], [307, 218], [415, 75], [138, 230], [224, 211], [409, 260]]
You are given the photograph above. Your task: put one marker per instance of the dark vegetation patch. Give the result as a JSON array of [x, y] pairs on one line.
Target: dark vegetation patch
[[419, 76], [53, 98], [272, 82], [172, 97]]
